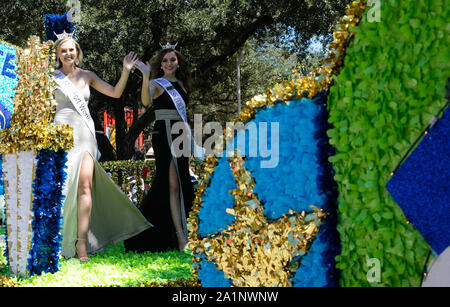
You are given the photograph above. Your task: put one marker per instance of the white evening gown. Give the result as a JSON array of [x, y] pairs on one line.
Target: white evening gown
[[114, 218]]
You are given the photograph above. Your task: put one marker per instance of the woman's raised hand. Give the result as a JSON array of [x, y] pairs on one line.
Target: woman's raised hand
[[144, 68], [130, 60]]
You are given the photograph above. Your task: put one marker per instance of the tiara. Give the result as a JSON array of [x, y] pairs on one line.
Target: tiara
[[168, 46], [64, 35]]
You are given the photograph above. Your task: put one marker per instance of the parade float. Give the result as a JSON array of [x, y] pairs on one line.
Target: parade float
[[355, 194]]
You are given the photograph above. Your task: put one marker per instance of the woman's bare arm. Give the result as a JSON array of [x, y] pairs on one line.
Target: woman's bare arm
[[117, 90]]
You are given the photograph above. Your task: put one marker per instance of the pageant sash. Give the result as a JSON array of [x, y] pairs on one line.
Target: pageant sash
[[77, 99], [180, 105], [176, 97]]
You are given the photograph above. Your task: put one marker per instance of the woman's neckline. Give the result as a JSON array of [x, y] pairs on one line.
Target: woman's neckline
[[67, 76], [171, 79]]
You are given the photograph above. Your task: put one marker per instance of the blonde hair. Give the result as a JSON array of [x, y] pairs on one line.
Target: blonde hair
[[61, 41]]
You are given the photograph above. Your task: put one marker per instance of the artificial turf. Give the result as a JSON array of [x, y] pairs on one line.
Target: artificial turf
[[114, 267]]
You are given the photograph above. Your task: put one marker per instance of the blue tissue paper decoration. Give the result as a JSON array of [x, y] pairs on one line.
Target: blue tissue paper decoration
[[304, 177], [8, 82], [298, 166], [210, 276], [302, 174], [57, 24], [216, 199], [318, 266], [47, 207], [421, 185]]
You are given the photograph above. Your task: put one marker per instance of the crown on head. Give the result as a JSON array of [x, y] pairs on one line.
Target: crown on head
[[168, 46], [63, 35]]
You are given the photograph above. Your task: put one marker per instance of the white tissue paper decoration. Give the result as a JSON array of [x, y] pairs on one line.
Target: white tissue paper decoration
[[19, 171]]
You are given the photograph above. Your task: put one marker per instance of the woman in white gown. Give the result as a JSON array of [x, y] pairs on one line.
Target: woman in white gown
[[95, 212]]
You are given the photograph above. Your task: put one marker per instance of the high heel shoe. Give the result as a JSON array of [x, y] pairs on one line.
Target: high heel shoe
[[82, 258]]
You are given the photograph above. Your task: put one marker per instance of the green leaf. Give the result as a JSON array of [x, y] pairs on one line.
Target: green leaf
[[388, 215], [376, 217], [373, 106], [411, 83], [384, 160], [369, 70], [414, 23]]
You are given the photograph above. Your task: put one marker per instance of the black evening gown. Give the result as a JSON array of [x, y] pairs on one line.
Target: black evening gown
[[156, 206]]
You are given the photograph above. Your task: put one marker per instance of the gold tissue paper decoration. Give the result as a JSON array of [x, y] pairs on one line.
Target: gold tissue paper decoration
[[32, 126], [253, 251], [204, 178]]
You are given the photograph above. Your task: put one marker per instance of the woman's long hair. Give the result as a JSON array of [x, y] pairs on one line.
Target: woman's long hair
[[182, 73]]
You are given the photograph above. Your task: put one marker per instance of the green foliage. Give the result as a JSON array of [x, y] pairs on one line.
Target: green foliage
[[3, 261], [22, 19], [114, 268], [392, 83], [122, 170]]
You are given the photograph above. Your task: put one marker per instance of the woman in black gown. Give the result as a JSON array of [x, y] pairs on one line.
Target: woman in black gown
[[170, 198]]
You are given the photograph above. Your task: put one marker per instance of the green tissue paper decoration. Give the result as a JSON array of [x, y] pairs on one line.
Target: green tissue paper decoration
[[391, 85]]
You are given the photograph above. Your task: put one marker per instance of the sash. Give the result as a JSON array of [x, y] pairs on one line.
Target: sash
[[180, 105], [176, 97], [77, 99]]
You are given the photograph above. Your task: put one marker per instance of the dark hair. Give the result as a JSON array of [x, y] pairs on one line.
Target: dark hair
[[182, 73]]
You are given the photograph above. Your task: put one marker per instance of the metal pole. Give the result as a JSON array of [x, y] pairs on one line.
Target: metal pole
[[241, 56]]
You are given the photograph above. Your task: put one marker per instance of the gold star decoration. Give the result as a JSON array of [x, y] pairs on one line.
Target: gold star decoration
[[256, 252]]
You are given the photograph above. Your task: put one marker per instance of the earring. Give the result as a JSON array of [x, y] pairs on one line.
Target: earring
[[77, 62], [58, 63]]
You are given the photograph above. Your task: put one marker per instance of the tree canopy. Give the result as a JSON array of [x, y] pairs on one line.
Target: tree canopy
[[210, 33]]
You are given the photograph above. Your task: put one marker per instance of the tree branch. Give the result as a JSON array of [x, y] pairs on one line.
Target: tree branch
[[238, 38], [140, 124]]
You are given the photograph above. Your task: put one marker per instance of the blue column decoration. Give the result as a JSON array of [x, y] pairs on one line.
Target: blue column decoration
[[47, 206]]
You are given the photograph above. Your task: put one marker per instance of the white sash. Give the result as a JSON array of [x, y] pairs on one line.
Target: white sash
[[180, 105], [176, 97], [77, 99]]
